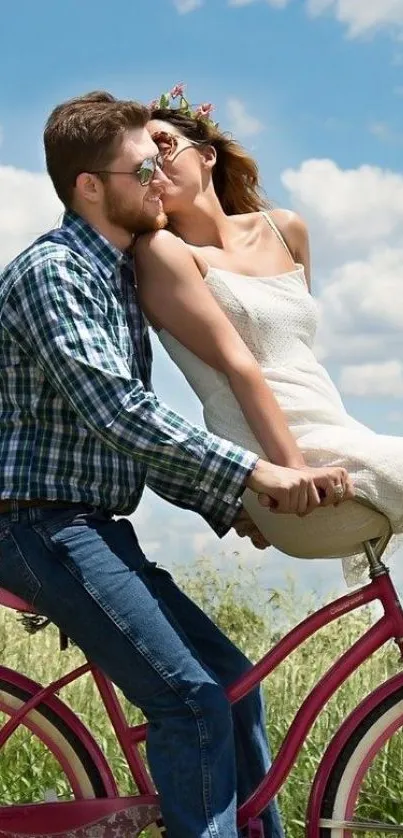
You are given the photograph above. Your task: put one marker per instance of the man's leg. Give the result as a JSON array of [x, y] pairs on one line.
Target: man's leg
[[87, 573], [226, 663]]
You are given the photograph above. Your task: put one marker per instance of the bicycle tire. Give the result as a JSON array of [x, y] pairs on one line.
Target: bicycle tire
[[60, 738], [353, 760]]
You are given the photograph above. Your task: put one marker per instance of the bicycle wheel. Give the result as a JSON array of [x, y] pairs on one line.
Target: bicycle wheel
[[44, 759], [363, 795]]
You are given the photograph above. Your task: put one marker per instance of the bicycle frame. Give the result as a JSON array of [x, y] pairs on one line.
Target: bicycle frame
[[389, 626]]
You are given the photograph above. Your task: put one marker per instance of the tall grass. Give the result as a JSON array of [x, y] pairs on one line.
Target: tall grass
[[254, 619]]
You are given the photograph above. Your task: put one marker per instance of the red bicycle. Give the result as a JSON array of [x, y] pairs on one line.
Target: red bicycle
[[89, 805]]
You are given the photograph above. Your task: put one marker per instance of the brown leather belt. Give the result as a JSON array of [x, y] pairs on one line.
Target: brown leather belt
[[9, 505]]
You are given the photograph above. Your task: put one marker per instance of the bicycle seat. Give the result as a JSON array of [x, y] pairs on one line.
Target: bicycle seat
[[328, 532], [11, 601]]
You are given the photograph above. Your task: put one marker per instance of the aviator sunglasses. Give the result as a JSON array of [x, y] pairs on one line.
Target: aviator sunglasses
[[144, 172]]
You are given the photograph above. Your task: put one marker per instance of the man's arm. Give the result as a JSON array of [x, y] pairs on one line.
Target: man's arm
[[219, 511], [58, 314]]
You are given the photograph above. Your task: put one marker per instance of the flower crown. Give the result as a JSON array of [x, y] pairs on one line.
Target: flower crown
[[166, 100]]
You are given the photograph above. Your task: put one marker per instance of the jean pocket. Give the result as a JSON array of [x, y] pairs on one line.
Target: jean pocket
[[16, 573], [54, 520]]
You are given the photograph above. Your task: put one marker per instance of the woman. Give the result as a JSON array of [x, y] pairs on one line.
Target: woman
[[227, 288]]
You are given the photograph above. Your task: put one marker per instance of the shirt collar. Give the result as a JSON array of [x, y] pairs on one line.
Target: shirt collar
[[106, 255]]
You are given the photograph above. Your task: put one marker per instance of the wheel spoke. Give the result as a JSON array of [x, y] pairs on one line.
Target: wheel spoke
[[362, 826]]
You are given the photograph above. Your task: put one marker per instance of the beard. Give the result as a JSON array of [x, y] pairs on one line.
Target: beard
[[133, 221], [147, 223]]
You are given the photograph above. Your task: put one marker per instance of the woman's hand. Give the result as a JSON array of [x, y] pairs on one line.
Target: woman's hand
[[299, 491], [334, 485]]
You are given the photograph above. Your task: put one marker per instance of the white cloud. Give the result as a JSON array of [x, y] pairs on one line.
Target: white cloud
[[375, 380], [367, 290], [381, 130], [151, 548], [355, 219], [384, 132], [185, 6], [354, 204], [395, 416], [242, 123], [361, 16], [28, 208], [203, 543]]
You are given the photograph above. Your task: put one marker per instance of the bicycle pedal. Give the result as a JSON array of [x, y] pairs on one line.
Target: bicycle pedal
[[255, 828]]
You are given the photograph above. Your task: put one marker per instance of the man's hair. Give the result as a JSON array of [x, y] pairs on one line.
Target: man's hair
[[83, 135]]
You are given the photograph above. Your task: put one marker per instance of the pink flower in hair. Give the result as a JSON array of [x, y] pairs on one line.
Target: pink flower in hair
[[178, 90], [205, 110], [152, 106]]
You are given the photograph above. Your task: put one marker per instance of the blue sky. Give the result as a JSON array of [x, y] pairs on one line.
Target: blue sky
[[314, 88]]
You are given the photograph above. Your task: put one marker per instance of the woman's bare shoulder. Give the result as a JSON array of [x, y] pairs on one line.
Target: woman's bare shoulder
[[158, 243], [295, 233], [289, 223]]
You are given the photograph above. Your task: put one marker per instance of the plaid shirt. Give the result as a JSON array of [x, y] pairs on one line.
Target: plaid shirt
[[79, 421]]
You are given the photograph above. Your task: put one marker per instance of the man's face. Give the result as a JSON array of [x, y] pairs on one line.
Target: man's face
[[127, 204]]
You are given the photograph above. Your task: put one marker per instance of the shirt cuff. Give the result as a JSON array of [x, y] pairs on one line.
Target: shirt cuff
[[220, 482]]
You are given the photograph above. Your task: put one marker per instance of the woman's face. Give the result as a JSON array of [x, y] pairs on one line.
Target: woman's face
[[183, 165]]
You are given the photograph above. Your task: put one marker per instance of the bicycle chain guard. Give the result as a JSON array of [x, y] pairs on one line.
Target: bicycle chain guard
[[130, 821]]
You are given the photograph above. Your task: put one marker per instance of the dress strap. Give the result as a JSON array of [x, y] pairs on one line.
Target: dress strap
[[276, 231]]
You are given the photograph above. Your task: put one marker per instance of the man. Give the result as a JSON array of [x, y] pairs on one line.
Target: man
[[81, 431]]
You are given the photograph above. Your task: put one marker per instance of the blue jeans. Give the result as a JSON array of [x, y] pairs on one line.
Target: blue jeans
[[86, 572]]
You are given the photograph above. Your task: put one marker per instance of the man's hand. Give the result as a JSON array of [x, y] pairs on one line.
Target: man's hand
[[244, 526], [299, 491]]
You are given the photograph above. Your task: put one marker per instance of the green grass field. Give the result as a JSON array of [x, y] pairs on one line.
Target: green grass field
[[254, 623]]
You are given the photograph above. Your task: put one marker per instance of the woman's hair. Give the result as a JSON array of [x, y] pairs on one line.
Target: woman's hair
[[235, 174]]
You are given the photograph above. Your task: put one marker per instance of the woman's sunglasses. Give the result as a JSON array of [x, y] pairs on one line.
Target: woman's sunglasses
[[168, 144], [144, 173]]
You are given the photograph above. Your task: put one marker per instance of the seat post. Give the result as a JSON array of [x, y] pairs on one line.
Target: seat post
[[374, 549]]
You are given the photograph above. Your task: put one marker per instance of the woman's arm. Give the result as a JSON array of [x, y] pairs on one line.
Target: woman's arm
[[175, 297]]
